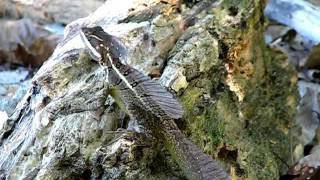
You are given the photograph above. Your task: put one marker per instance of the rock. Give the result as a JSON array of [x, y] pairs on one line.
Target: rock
[[308, 108], [292, 44], [124, 158], [3, 118], [196, 52], [45, 11], [299, 15], [55, 28], [64, 112], [273, 31], [313, 60], [13, 86], [148, 40], [25, 43], [307, 167], [314, 2], [67, 120]]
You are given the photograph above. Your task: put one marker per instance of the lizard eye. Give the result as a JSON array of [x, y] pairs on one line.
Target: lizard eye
[[126, 72], [118, 65]]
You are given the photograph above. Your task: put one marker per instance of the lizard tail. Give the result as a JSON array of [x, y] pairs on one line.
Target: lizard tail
[[196, 164]]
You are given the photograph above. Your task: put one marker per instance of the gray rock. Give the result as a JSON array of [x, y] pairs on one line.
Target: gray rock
[[66, 127], [194, 54], [13, 86], [26, 43], [45, 11], [300, 15], [65, 124]]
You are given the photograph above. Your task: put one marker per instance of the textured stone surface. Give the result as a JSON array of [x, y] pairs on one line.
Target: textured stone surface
[[46, 11], [230, 84], [25, 43], [291, 14], [13, 86], [64, 123]]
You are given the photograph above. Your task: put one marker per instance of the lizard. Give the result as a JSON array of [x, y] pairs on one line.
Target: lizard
[[149, 103]]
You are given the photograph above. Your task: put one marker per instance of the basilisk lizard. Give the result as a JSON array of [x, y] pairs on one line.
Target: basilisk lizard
[[150, 103]]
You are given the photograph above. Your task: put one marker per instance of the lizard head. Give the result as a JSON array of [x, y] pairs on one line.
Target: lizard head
[[92, 41], [101, 45]]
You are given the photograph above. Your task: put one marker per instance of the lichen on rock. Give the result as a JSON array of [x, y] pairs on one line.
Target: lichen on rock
[[230, 84]]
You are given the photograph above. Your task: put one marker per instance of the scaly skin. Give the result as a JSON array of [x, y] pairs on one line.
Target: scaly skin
[[130, 90]]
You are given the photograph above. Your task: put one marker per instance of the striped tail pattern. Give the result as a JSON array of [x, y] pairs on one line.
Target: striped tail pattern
[[151, 104], [146, 101], [195, 163]]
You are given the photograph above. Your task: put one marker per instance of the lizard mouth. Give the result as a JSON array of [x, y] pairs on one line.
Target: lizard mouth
[[90, 49]]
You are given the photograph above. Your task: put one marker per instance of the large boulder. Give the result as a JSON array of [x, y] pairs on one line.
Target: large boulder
[[212, 56]]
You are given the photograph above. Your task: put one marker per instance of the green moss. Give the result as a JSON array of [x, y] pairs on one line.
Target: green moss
[[189, 98], [256, 128], [202, 116], [213, 125]]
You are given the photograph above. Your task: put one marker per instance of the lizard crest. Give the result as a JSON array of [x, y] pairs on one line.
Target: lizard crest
[[100, 45], [151, 104], [109, 51]]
